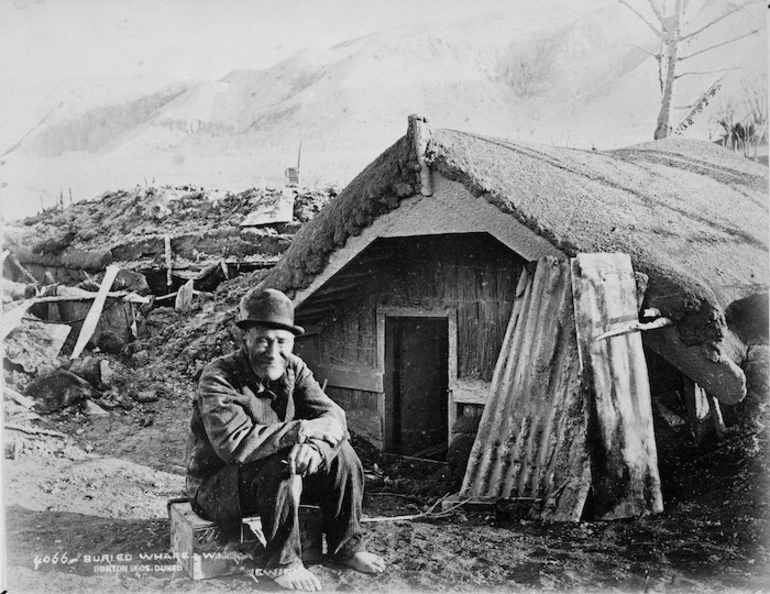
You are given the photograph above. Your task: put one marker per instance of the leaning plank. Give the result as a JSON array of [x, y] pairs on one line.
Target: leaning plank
[[34, 430], [531, 441], [626, 482], [717, 373], [75, 294], [20, 399], [14, 261], [92, 319]]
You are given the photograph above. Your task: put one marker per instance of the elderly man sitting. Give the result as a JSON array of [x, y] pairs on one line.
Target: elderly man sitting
[[262, 434]]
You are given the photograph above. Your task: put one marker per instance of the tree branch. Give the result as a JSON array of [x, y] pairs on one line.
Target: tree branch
[[708, 49], [714, 21], [644, 19], [644, 49], [707, 71], [656, 10]]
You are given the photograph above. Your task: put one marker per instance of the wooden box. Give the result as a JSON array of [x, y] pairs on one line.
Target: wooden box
[[196, 546]]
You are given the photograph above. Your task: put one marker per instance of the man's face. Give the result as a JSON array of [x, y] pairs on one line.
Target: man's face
[[267, 349]]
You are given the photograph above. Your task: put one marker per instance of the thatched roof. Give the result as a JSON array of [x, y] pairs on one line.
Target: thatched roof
[[693, 216]]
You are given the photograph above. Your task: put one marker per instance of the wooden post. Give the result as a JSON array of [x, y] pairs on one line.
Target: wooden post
[[716, 416], [420, 136], [703, 413], [626, 482], [169, 260]]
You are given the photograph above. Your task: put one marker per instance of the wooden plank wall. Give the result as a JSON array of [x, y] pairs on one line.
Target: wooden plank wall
[[626, 482], [476, 275], [473, 274], [531, 441], [363, 410]]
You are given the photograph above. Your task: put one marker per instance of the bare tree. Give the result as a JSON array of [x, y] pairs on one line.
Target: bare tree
[[671, 26]]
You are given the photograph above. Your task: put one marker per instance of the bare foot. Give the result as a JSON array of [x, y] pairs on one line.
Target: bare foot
[[298, 578], [365, 562]]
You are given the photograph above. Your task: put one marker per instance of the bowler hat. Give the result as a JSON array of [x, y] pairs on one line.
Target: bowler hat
[[267, 307]]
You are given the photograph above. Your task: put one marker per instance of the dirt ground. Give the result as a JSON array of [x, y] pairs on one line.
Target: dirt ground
[[77, 503], [712, 536]]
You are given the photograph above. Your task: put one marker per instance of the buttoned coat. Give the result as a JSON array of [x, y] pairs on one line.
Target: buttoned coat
[[238, 418]]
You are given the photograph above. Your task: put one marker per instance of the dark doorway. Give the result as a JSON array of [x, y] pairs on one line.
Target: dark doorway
[[416, 384]]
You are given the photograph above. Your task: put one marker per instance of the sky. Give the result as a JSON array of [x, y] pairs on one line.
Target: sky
[[48, 47]]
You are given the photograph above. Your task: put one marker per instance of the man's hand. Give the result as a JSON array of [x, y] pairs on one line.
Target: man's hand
[[329, 430], [304, 459]]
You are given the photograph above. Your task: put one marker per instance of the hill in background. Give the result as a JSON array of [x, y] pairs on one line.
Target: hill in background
[[585, 84]]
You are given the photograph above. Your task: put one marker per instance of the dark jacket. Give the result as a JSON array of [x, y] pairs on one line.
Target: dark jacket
[[237, 418]]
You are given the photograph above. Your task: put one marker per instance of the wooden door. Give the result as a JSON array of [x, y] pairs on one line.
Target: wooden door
[[417, 370]]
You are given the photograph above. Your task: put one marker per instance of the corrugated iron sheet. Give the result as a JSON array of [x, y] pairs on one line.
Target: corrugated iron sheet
[[531, 441], [626, 482]]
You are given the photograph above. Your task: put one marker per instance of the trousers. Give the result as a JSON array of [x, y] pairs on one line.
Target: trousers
[[265, 488]]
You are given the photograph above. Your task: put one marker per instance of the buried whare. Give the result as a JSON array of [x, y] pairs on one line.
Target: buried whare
[[264, 436]]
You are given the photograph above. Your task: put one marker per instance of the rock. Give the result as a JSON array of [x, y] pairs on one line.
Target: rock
[[141, 358], [106, 372], [94, 410], [58, 390], [131, 348], [146, 396], [184, 297], [34, 345], [135, 282], [109, 342]]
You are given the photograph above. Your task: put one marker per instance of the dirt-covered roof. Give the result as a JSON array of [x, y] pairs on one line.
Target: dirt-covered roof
[[693, 216], [129, 226]]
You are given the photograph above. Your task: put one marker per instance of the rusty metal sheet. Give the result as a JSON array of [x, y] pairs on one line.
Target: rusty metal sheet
[[531, 443], [626, 482]]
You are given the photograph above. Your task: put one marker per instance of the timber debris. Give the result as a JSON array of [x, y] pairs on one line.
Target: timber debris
[[79, 285]]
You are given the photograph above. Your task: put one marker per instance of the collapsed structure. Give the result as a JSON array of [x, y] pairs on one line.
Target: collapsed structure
[[167, 242], [409, 278], [169, 234]]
